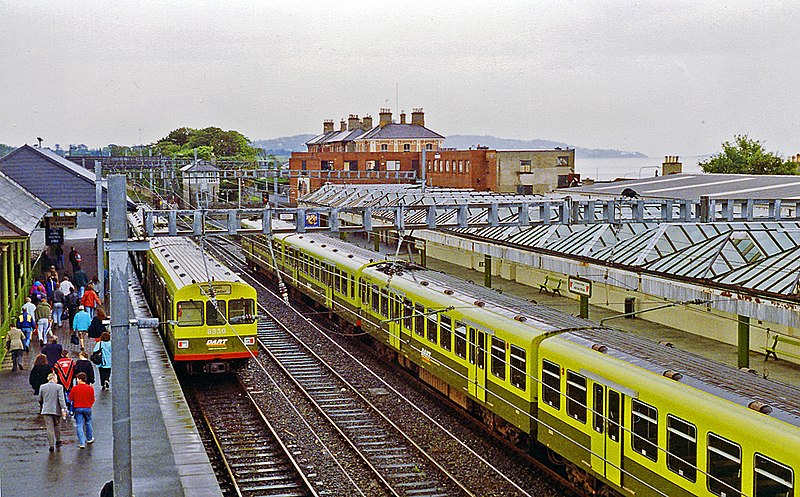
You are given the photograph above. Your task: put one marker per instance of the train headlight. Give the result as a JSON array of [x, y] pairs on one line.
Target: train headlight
[[249, 340], [183, 344]]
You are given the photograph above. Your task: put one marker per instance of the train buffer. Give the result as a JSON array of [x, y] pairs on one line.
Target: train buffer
[[552, 285], [773, 350]]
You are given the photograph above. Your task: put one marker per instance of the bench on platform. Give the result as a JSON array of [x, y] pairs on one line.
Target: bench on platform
[[552, 285], [773, 350]]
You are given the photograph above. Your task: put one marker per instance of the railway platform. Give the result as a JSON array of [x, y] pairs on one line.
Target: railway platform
[[168, 458]]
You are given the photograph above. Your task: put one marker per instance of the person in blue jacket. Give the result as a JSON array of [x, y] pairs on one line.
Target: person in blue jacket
[[104, 345]]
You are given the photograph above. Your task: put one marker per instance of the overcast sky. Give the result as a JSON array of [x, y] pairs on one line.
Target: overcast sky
[[659, 77]]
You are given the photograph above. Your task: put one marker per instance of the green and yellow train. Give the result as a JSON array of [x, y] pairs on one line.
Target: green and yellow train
[[622, 415], [209, 312]]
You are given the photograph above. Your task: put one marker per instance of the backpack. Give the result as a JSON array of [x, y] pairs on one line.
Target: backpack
[[64, 371], [77, 256]]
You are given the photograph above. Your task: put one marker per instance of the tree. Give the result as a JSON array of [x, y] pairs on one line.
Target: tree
[[211, 142], [746, 156]]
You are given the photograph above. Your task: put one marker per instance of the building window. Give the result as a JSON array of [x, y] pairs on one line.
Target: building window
[[351, 165], [466, 166], [303, 165], [326, 165], [461, 166], [524, 166], [384, 147], [447, 166], [392, 165], [406, 148], [563, 160], [372, 165], [428, 146]]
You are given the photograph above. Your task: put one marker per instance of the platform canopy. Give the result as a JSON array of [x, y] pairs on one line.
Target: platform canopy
[[20, 212]]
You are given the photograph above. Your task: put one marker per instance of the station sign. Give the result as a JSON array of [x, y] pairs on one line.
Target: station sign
[[580, 286], [312, 220], [54, 236], [62, 222]]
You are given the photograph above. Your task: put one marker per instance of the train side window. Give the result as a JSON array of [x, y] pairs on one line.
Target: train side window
[[433, 328], [614, 414], [597, 407], [408, 315], [242, 311], [576, 396], [481, 350], [518, 367], [419, 320], [215, 316], [498, 367], [551, 384], [724, 466], [375, 299], [682, 447], [190, 313], [772, 479], [445, 332], [461, 340], [384, 304], [644, 423]]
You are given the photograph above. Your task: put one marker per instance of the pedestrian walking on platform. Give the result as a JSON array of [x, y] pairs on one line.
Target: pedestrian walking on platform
[[74, 259], [53, 408], [72, 301], [96, 327], [27, 323], [82, 398], [37, 290], [84, 365], [81, 323], [90, 300], [39, 372], [53, 352], [58, 307], [80, 280], [43, 324], [50, 286], [65, 285], [14, 344], [58, 255], [104, 345]]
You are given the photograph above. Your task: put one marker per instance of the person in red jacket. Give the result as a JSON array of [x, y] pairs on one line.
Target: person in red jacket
[[90, 300], [82, 398]]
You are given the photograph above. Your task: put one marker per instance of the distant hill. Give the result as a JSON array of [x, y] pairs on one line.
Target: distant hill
[[287, 144], [284, 145], [467, 141]]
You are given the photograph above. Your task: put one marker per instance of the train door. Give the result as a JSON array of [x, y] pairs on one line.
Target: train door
[[393, 316], [606, 438], [477, 363]]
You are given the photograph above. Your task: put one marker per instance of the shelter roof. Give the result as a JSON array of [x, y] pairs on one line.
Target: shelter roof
[[199, 167], [693, 186], [60, 183], [21, 211]]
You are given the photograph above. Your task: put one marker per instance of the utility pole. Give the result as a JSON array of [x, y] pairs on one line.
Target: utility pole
[[98, 196]]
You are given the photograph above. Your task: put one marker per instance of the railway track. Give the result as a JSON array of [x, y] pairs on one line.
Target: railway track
[[253, 459], [479, 472]]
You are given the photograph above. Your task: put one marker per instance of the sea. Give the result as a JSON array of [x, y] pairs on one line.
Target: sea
[[629, 168]]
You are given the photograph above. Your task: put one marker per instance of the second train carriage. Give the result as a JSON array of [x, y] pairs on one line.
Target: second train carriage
[[209, 312], [626, 415]]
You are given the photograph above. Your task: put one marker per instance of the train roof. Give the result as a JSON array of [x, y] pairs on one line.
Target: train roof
[[186, 263], [718, 379]]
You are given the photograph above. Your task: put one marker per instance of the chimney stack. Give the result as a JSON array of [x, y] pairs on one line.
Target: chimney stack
[[418, 117], [386, 117], [342, 125], [366, 123], [671, 165], [327, 125], [353, 122], [402, 117]]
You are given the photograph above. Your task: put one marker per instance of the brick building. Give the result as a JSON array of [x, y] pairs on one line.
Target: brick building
[[393, 152]]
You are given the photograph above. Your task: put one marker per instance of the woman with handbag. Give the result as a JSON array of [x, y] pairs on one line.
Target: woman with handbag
[[104, 366]]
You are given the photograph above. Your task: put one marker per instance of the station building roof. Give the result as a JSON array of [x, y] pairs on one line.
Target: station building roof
[[762, 257], [693, 186], [21, 211]]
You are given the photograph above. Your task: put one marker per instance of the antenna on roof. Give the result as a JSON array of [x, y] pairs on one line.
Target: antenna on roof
[[40, 141]]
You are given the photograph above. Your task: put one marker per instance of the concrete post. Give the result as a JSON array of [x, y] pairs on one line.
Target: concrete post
[[584, 311], [376, 242], [98, 195], [744, 341], [120, 355], [487, 271], [5, 281]]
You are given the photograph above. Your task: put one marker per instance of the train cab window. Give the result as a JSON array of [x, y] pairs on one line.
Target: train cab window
[[215, 315], [519, 370], [498, 366], [682, 448], [724, 466], [241, 311], [576, 396], [419, 320], [461, 340], [190, 313], [772, 479], [408, 315], [644, 423], [433, 327], [551, 384], [445, 332]]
